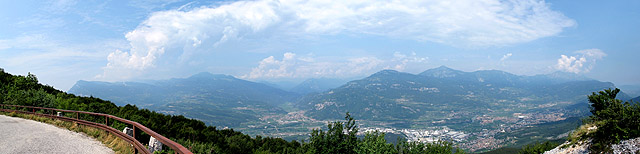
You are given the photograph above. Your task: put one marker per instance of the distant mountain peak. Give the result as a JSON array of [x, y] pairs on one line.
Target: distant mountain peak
[[207, 75], [637, 99], [442, 72], [385, 73], [388, 72], [317, 85], [203, 74], [496, 72], [443, 67]]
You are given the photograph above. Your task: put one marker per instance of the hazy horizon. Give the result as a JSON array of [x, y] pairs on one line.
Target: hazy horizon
[[288, 83]]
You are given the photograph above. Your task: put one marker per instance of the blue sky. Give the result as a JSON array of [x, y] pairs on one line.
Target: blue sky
[[67, 40]]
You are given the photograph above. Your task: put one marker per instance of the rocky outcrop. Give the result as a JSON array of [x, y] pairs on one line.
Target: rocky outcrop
[[627, 146], [578, 148], [624, 147]]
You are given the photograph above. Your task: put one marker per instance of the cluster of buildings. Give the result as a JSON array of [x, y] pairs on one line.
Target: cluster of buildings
[[427, 135]]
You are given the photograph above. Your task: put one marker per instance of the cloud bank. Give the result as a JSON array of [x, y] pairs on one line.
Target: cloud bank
[[458, 23], [581, 63]]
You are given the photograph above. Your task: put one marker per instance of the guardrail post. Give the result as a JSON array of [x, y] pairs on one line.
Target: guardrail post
[[134, 131], [154, 145], [127, 131], [106, 120]]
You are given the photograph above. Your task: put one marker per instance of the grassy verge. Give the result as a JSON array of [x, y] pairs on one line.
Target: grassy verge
[[118, 145]]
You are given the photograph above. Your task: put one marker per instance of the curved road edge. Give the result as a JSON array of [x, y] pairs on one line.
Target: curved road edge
[[19, 135]]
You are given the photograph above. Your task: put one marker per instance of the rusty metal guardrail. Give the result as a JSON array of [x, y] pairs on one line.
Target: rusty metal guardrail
[[131, 139]]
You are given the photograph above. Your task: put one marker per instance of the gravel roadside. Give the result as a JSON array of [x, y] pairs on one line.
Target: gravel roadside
[[19, 135]]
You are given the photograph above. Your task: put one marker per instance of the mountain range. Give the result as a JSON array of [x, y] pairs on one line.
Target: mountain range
[[220, 100], [439, 96], [632, 90], [316, 85], [445, 95]]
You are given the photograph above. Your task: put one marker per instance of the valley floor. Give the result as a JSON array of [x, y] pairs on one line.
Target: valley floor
[[489, 132]]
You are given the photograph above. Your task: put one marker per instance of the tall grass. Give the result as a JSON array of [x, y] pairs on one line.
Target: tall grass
[[118, 145]]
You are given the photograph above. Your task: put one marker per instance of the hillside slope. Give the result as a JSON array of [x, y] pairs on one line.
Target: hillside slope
[[390, 95], [219, 100], [315, 85]]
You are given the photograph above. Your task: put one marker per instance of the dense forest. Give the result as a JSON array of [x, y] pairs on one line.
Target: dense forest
[[339, 137]]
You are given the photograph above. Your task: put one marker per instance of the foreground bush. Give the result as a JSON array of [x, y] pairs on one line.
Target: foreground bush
[[614, 120], [538, 148]]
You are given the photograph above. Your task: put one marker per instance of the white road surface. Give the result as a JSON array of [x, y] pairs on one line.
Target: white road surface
[[19, 135]]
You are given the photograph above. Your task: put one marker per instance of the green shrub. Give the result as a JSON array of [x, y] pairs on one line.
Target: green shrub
[[615, 120], [538, 148]]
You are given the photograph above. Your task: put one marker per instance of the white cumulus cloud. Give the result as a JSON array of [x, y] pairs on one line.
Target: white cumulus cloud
[[581, 63], [458, 23], [506, 56]]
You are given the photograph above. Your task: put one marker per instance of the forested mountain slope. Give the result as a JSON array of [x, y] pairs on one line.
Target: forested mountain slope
[[221, 100], [391, 95]]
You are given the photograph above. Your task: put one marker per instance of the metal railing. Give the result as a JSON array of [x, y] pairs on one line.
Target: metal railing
[[52, 113]]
